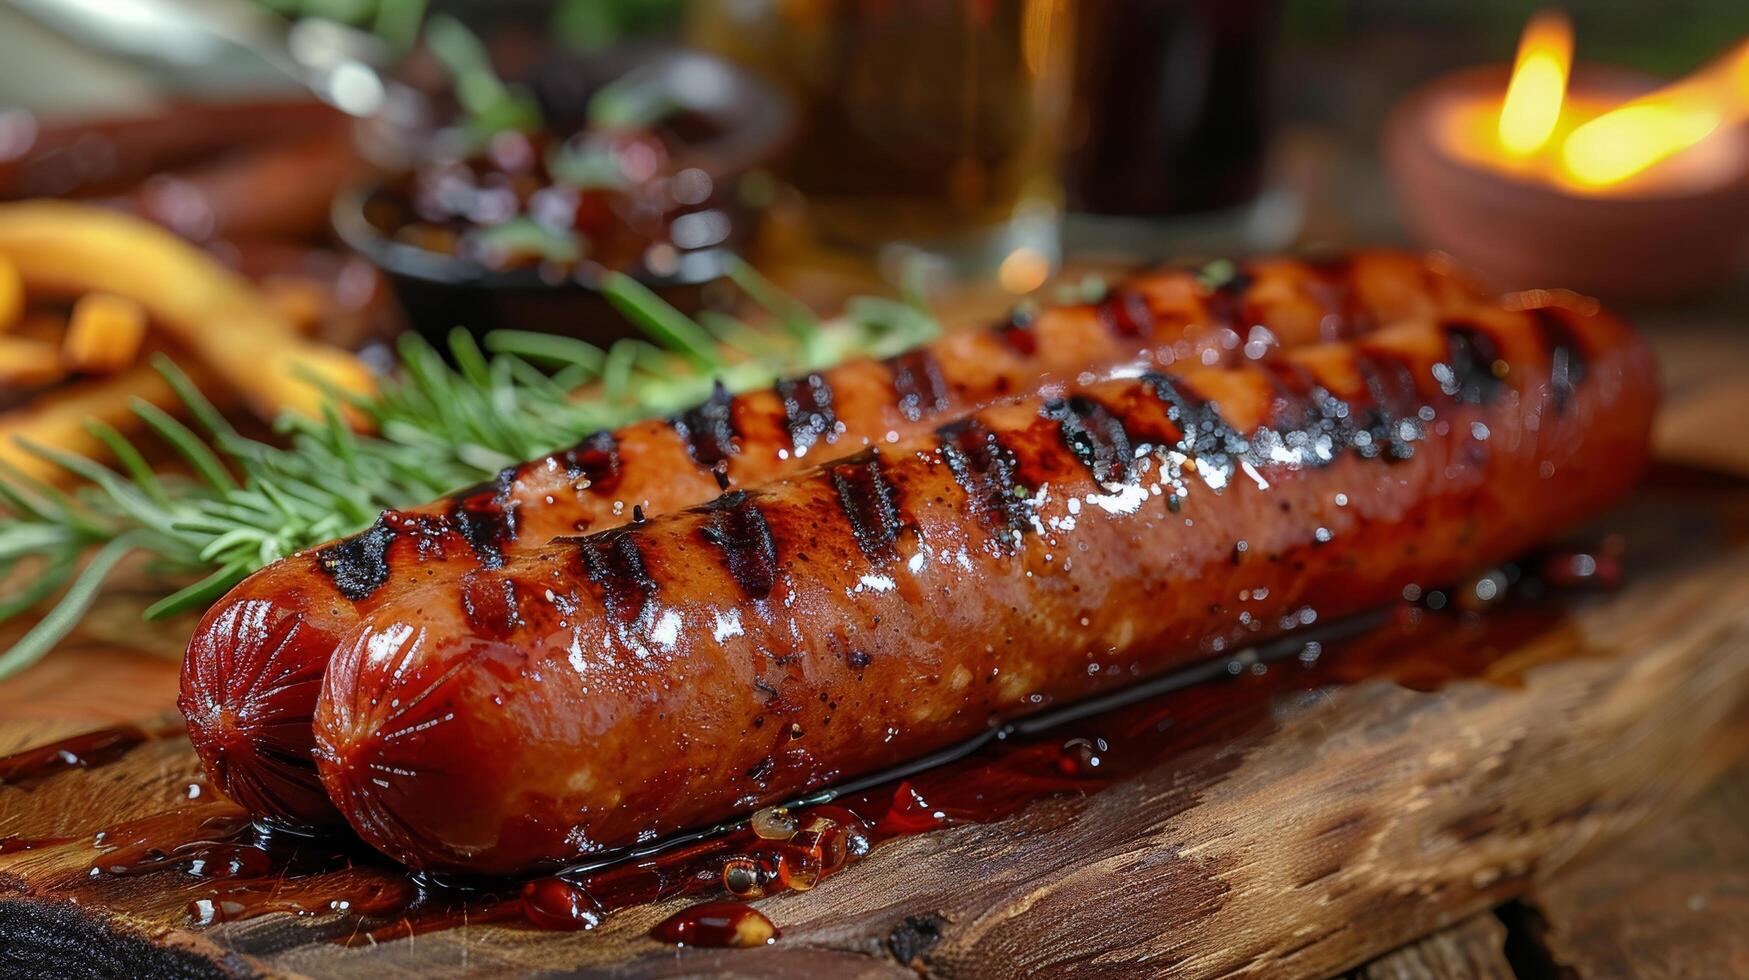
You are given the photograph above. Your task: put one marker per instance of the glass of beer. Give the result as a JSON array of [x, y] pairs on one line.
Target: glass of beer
[[926, 125]]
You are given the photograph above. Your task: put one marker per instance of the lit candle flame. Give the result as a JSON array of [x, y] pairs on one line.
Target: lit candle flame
[[1538, 85], [1633, 137]]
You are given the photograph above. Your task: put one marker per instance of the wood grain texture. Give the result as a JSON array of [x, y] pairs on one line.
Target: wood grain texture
[[1317, 832], [1669, 901], [1474, 949]]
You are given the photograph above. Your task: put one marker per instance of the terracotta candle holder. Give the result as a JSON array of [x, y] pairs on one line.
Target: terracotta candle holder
[[1681, 225]]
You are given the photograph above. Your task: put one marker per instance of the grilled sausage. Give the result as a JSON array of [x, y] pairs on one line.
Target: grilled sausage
[[250, 678], [612, 688]]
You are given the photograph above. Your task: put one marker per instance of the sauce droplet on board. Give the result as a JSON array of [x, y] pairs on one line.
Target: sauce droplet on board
[[83, 751], [730, 924], [554, 903]]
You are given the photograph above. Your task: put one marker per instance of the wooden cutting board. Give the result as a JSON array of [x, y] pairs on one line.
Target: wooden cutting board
[[1296, 819]]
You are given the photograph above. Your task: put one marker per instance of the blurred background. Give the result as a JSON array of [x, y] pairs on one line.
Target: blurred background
[[489, 159], [378, 168]]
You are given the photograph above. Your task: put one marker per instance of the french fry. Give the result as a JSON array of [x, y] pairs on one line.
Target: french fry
[[213, 313], [58, 418], [104, 334], [26, 363], [11, 295]]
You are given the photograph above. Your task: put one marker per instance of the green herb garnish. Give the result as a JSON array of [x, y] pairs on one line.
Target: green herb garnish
[[437, 427]]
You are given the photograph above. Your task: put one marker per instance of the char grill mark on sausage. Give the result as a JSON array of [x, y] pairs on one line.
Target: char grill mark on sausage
[[614, 564], [1296, 394], [736, 526], [1096, 437], [485, 517], [1309, 424], [594, 459], [1313, 427], [869, 502], [985, 470], [1204, 434], [918, 383], [1389, 425], [359, 565], [1226, 304], [807, 410], [1323, 427], [1126, 314], [1335, 281], [1468, 373], [709, 429], [1568, 360]]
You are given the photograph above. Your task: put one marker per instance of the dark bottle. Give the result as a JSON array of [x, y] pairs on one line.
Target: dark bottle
[[1170, 105]]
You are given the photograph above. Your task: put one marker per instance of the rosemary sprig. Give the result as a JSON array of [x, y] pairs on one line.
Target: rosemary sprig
[[437, 427]]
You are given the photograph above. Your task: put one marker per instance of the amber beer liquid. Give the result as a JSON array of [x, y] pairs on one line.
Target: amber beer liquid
[[930, 122]]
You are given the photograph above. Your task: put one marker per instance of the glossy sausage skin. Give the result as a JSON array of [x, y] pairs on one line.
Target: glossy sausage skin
[[250, 678], [615, 687]]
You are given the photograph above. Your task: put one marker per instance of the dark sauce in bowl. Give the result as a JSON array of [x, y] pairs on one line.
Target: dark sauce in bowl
[[563, 208], [517, 229]]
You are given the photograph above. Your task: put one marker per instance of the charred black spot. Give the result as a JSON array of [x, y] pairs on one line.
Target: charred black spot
[[1307, 422], [1391, 424], [709, 429], [485, 516], [807, 410], [1094, 435], [1472, 372], [1568, 361], [869, 502], [595, 459], [1017, 332], [615, 565], [918, 383], [1203, 433], [359, 565], [985, 470], [858, 659], [737, 527], [1126, 314]]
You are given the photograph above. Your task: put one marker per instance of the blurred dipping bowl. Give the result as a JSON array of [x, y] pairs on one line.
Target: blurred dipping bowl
[[736, 124], [1681, 226]]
